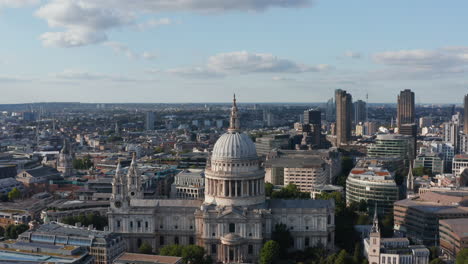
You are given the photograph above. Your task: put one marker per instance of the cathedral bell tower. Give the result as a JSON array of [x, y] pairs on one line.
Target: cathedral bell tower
[[134, 187], [118, 188]]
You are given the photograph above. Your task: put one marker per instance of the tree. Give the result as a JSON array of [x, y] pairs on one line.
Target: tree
[[4, 197], [2, 231], [98, 221], [12, 231], [462, 257], [145, 248], [171, 250], [387, 225], [269, 252], [190, 254], [342, 257], [434, 252], [357, 253], [268, 189], [436, 261], [193, 254], [14, 194], [283, 237], [290, 191]]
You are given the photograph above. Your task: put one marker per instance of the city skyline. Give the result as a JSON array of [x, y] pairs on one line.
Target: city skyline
[[197, 51]]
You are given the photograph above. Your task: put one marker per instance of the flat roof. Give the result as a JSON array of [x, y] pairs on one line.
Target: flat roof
[[459, 226], [145, 258]]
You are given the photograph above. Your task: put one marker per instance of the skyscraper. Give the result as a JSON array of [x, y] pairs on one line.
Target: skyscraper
[[465, 116], [150, 119], [405, 110], [359, 111], [344, 106], [330, 111], [314, 119]]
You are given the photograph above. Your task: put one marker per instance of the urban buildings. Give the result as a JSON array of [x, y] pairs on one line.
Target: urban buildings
[[360, 111], [380, 250], [189, 184], [344, 109], [103, 246], [405, 108], [459, 165], [314, 120], [453, 234], [392, 145], [65, 160], [308, 169], [150, 120], [234, 219], [133, 258], [374, 185], [418, 217], [432, 161], [267, 143]]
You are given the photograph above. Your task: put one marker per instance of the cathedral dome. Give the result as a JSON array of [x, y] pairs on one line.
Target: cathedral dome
[[234, 146]]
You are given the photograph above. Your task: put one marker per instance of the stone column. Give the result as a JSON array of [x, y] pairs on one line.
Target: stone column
[[235, 191]]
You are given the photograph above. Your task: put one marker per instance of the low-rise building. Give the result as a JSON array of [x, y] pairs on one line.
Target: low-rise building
[[104, 246], [8, 184], [431, 161], [37, 175], [453, 234]]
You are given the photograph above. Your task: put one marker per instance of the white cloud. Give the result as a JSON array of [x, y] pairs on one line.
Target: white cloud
[[123, 49], [152, 23], [84, 22], [243, 62], [195, 72], [79, 75], [279, 78], [352, 55], [422, 64]]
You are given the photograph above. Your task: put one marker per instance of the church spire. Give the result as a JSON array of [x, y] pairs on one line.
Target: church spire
[[234, 124], [410, 178], [375, 222]]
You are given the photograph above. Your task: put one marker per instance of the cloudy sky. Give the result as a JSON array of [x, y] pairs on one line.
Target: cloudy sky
[[204, 50]]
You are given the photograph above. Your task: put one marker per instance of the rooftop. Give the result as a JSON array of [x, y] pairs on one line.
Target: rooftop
[[459, 226], [146, 259]]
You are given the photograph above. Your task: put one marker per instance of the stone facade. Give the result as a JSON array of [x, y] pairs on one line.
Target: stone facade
[[233, 221]]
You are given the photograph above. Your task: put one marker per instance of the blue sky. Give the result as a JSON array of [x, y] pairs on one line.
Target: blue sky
[[204, 50]]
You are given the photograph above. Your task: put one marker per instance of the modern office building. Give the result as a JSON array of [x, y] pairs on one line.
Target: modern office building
[[452, 134], [150, 120], [267, 143], [374, 185], [405, 108], [453, 234], [360, 111], [308, 169], [189, 184], [432, 161], [459, 164], [314, 119], [395, 250], [330, 110], [463, 144], [418, 217], [392, 145], [344, 109]]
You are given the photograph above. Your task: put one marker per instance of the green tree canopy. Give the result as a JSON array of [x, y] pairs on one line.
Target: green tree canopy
[[283, 237], [190, 254], [14, 194], [98, 221], [462, 257], [145, 248], [268, 189], [437, 261], [290, 191], [12, 231], [269, 252]]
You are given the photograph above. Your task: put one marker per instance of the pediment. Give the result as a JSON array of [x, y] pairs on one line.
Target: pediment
[[232, 213]]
